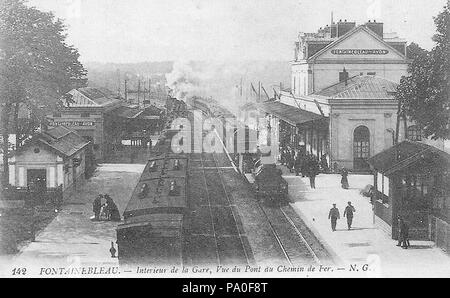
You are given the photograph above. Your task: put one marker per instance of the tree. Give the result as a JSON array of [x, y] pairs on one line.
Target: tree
[[424, 93], [36, 66]]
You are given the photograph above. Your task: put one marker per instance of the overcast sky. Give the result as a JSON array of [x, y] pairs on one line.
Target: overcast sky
[[155, 30]]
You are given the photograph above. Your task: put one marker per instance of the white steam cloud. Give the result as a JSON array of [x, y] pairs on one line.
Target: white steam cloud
[[222, 80]]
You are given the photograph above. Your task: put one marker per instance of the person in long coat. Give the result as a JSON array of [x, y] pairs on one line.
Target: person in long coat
[[400, 229], [113, 211], [344, 178], [298, 163], [97, 206], [403, 233], [291, 161], [324, 163], [312, 170], [283, 156]]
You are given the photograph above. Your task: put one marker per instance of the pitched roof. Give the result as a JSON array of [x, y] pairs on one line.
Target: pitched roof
[[127, 112], [96, 97], [409, 155], [62, 140], [361, 87], [290, 114], [350, 33]]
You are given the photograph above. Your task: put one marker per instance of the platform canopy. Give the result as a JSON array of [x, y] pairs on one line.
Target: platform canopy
[[288, 113], [410, 157]]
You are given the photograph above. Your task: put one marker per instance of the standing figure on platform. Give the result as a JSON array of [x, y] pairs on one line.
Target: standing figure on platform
[[297, 163], [344, 178], [291, 161], [284, 156], [403, 233], [97, 206], [312, 170], [324, 163], [333, 215], [112, 210]]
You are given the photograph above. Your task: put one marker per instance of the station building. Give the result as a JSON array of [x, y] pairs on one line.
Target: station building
[[347, 76], [51, 163], [100, 117], [87, 111]]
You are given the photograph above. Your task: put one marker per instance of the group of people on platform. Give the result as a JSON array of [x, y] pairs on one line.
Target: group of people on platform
[[298, 161], [106, 211], [403, 227], [304, 164], [308, 165]]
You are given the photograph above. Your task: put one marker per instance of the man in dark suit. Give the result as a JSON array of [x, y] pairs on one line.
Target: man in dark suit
[[348, 212], [333, 215]]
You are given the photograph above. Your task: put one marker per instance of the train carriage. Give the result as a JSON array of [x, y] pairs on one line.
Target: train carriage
[[152, 232]]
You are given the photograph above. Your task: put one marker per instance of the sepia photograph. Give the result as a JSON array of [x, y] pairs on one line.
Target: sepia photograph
[[187, 139]]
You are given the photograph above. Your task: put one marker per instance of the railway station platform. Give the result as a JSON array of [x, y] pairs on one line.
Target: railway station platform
[[72, 240], [365, 242]]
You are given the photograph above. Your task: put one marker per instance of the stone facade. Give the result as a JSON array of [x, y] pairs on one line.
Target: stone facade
[[350, 78]]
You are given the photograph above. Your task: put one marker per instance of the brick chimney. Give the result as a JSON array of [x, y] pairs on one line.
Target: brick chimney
[[375, 27], [344, 26]]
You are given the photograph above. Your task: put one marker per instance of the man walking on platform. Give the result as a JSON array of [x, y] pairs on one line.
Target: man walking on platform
[[348, 212], [334, 216]]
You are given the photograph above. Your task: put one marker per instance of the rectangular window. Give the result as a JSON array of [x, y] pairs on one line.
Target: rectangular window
[[85, 115], [371, 73], [379, 182], [57, 114], [385, 186]]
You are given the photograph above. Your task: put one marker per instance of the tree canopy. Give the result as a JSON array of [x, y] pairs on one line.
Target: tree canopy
[[37, 66], [424, 93]]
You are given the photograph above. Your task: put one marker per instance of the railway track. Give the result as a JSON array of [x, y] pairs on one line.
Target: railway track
[[293, 244], [248, 254], [216, 237], [289, 237]]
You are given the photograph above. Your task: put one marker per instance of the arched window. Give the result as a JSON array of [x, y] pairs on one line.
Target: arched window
[[361, 148], [414, 133]]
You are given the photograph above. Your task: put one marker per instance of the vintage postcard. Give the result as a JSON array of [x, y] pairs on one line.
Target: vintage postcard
[[224, 138]]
